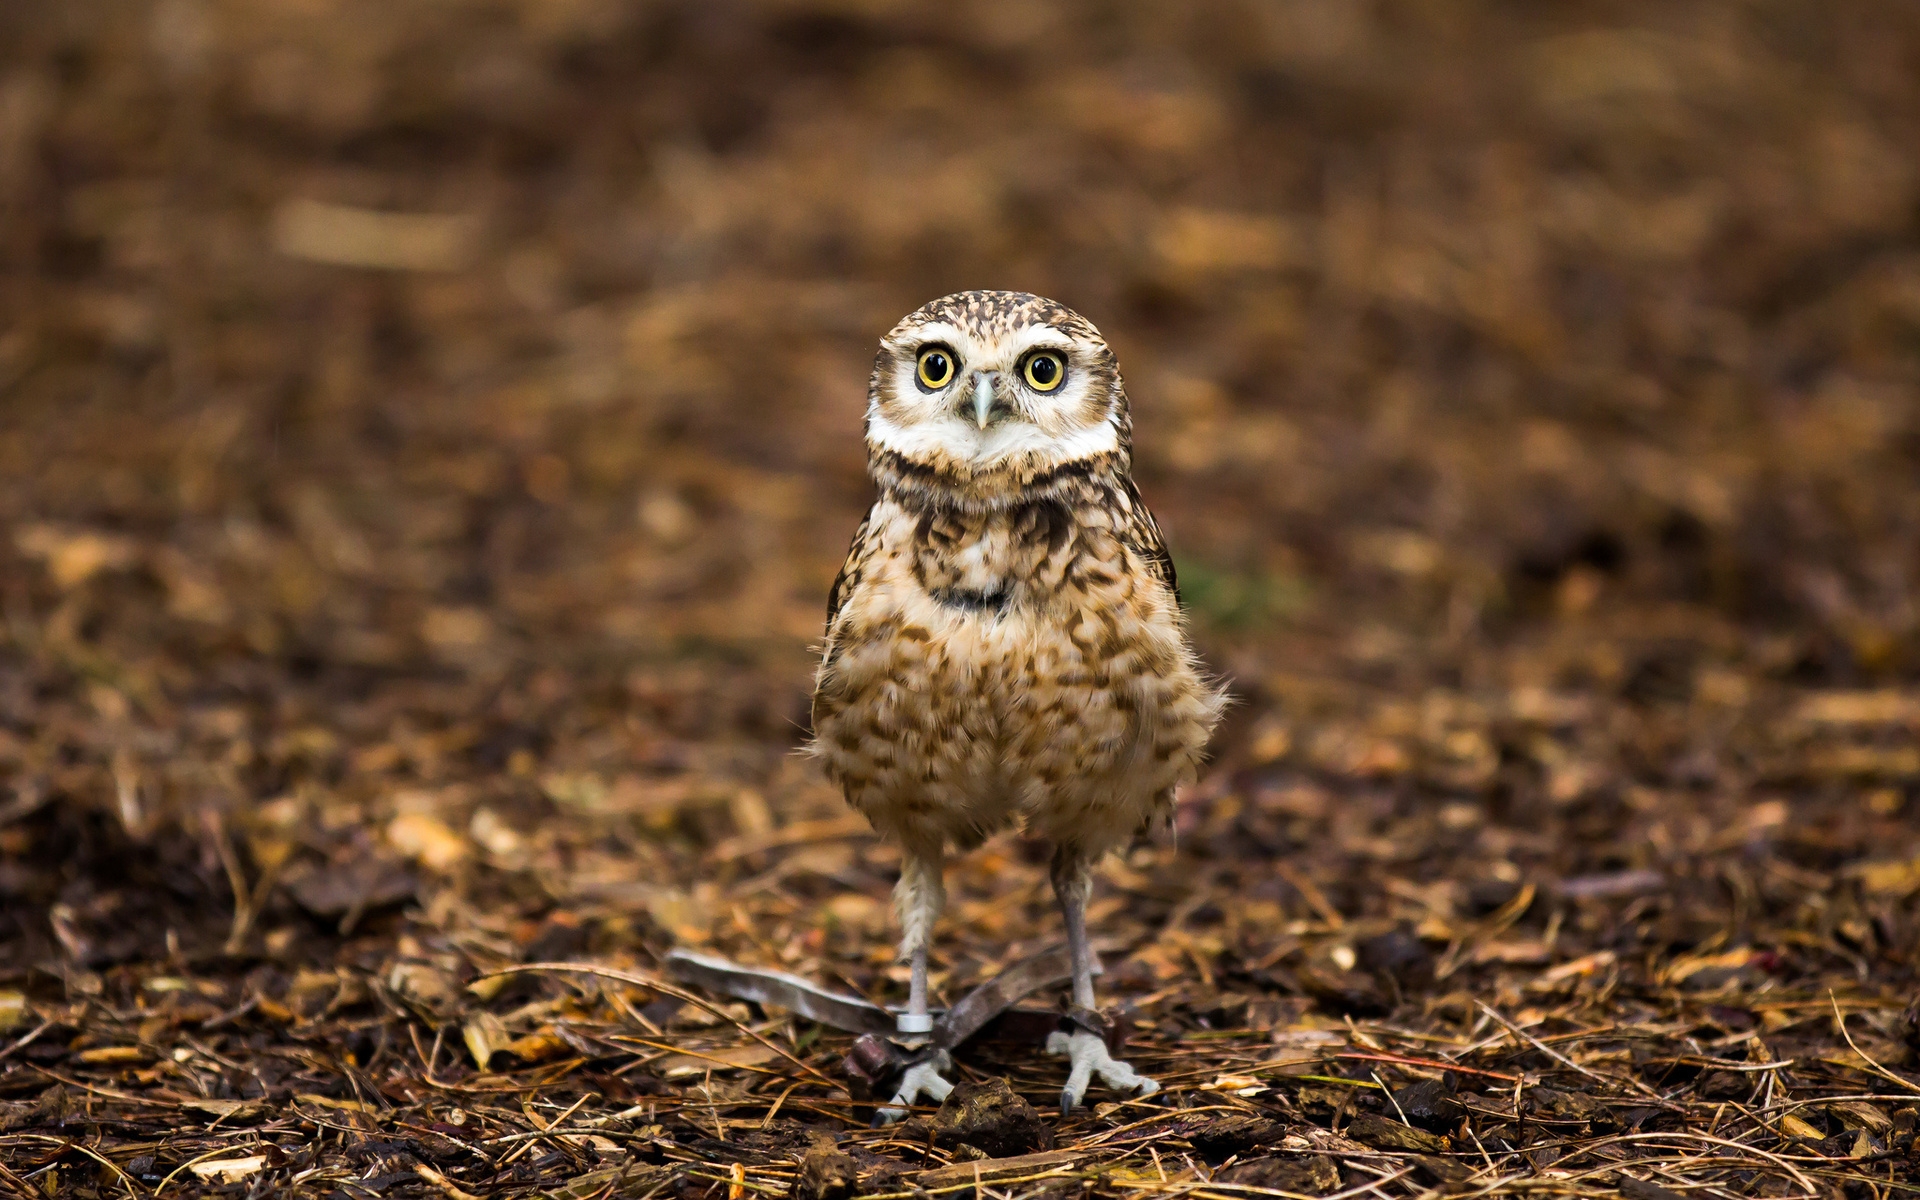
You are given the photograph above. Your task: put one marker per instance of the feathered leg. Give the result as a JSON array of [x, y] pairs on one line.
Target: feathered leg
[[918, 899], [1086, 1051]]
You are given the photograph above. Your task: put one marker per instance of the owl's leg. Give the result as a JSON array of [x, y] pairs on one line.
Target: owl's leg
[[918, 899], [1086, 1050]]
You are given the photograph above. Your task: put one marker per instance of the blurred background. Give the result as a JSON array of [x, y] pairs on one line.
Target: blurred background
[[428, 432]]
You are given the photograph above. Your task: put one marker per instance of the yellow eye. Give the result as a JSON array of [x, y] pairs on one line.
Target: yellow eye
[[1045, 370], [936, 367]]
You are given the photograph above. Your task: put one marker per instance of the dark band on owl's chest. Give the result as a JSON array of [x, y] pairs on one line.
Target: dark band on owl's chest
[[951, 551], [974, 601]]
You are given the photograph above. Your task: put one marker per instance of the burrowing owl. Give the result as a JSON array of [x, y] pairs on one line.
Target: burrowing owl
[[1004, 643]]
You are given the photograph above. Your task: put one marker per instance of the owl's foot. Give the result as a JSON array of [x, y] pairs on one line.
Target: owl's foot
[[922, 1079], [1087, 1052]]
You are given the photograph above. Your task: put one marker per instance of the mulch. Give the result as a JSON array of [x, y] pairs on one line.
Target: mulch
[[430, 431]]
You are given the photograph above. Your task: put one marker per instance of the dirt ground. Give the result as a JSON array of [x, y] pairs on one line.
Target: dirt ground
[[428, 431]]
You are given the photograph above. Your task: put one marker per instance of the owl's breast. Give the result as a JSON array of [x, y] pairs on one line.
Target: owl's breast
[[941, 630], [981, 562], [979, 615], [1018, 665]]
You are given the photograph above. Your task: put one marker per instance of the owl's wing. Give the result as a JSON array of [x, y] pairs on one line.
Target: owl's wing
[[850, 570], [1143, 535]]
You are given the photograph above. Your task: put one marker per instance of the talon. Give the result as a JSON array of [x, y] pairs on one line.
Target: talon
[[1088, 1054], [921, 1079]]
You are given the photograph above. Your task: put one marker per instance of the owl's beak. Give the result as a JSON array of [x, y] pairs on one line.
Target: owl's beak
[[984, 397]]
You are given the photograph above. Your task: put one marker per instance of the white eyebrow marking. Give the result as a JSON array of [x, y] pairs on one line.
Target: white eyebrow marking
[[939, 331], [1033, 337]]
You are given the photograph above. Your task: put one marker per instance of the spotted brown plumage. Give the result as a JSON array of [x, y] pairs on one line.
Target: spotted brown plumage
[[1004, 642]]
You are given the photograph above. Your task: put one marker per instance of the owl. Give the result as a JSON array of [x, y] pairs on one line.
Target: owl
[[1004, 644]]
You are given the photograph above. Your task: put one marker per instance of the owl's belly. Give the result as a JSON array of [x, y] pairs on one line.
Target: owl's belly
[[950, 721], [907, 720]]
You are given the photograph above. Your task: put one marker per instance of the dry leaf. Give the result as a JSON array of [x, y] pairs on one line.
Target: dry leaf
[[223, 1109], [228, 1170], [73, 556], [359, 237], [1524, 953], [1888, 878], [330, 1102], [429, 989], [1688, 967], [539, 1046], [679, 1066], [485, 1035], [360, 883], [13, 1009], [1886, 707], [427, 840], [1791, 1126], [1585, 965], [1239, 1085]]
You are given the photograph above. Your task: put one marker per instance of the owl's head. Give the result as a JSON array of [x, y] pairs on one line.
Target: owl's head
[[984, 397]]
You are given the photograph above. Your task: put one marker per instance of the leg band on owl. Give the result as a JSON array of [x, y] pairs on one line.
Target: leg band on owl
[[917, 1020]]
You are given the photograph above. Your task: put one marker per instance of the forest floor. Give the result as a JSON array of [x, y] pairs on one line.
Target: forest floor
[[428, 432]]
